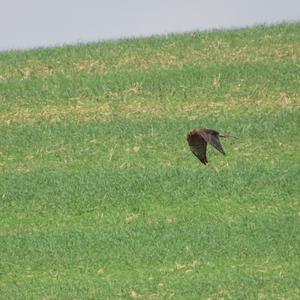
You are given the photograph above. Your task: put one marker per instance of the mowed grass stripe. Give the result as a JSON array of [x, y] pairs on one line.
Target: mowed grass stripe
[[112, 198], [137, 143], [177, 268], [215, 81]]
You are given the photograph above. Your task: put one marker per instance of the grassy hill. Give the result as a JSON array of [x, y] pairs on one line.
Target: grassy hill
[[100, 196]]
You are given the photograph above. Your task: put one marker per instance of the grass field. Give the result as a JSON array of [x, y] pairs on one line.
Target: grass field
[[100, 196]]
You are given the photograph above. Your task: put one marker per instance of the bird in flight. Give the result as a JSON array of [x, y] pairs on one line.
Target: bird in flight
[[198, 139]]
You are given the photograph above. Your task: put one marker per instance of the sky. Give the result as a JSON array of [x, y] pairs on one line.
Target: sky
[[41, 23]]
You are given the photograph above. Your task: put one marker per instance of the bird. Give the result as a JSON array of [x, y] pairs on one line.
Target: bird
[[198, 139]]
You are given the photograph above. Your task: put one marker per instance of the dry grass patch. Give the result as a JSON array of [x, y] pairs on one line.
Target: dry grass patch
[[105, 112], [91, 66], [130, 217], [79, 113], [32, 70], [18, 115], [161, 59], [185, 267], [217, 52], [22, 169]]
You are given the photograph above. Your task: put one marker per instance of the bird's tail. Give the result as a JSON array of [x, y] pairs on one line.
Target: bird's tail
[[227, 135]]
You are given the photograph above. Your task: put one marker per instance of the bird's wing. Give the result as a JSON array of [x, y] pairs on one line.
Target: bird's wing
[[198, 146], [213, 140]]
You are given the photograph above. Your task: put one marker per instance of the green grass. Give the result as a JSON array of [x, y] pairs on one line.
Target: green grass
[[100, 197]]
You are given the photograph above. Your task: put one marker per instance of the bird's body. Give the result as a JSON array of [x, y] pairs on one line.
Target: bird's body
[[198, 139]]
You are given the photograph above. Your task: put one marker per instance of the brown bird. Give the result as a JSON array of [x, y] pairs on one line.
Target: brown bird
[[198, 139]]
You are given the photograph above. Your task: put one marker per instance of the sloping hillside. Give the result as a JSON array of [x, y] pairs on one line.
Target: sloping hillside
[[100, 196]]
